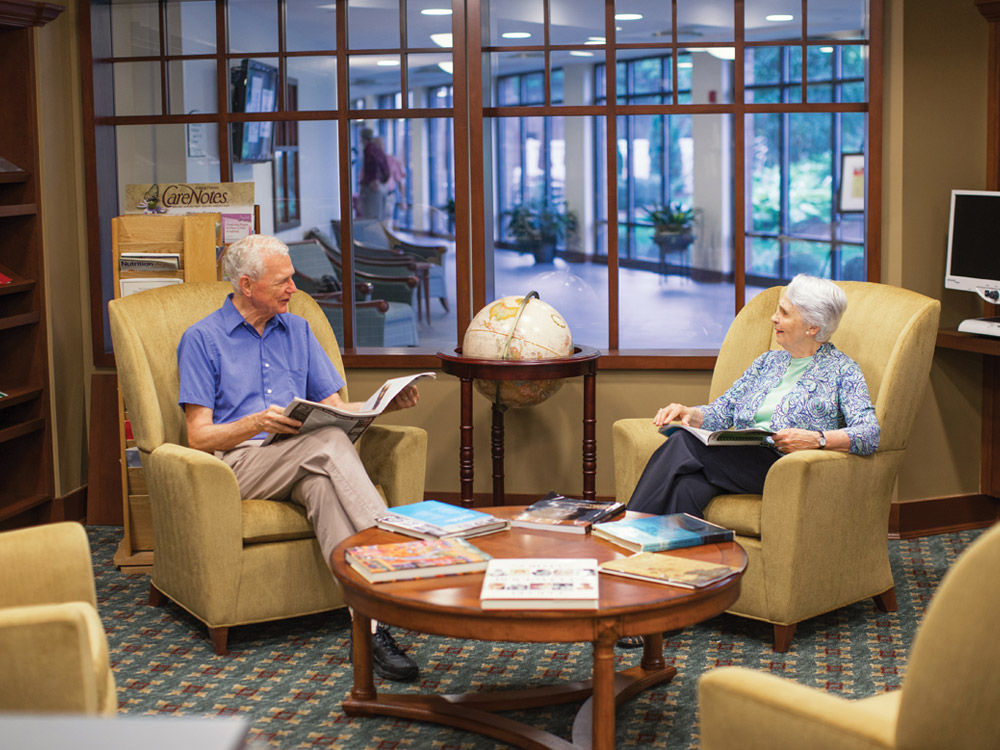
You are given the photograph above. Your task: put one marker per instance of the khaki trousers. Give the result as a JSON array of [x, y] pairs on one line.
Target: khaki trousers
[[322, 472]]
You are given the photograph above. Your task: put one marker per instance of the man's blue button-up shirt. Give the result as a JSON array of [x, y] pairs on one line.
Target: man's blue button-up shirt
[[227, 366]]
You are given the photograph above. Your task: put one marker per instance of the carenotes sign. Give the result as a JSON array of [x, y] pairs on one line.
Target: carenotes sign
[[185, 198]]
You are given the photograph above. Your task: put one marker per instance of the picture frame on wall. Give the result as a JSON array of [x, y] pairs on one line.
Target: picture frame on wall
[[852, 183]]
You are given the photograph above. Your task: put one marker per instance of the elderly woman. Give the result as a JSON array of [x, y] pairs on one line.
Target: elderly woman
[[810, 394]]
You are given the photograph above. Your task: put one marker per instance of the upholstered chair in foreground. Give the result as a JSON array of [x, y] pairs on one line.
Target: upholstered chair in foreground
[[817, 538], [230, 561], [53, 651], [948, 698]]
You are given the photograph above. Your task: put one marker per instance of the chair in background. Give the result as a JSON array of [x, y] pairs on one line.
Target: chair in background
[[226, 560], [948, 698], [432, 252], [53, 650], [380, 322], [817, 538]]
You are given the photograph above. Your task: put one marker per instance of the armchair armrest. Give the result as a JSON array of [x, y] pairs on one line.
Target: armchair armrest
[[46, 565], [741, 708], [54, 658], [633, 442], [395, 457]]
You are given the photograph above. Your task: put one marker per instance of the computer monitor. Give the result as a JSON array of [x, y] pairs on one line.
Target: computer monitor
[[974, 244], [255, 89]]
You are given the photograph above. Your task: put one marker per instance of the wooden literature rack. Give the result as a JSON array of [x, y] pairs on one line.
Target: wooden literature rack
[[189, 242]]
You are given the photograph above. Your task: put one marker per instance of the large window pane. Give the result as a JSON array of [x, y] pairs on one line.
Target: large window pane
[[253, 25], [135, 29], [310, 26], [137, 88], [372, 76], [576, 21], [373, 24], [511, 23], [705, 21], [316, 83], [190, 27], [192, 86], [769, 20]]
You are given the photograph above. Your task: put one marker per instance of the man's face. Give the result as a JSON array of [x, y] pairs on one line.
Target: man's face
[[270, 294]]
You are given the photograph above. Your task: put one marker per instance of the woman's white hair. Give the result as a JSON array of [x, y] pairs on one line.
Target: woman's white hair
[[246, 257], [820, 302]]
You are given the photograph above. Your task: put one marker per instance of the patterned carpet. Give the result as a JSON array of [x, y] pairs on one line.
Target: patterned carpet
[[289, 678]]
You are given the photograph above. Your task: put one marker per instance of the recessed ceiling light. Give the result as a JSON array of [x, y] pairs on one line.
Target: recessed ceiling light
[[597, 39], [685, 65], [826, 50], [581, 53], [723, 53], [628, 16], [516, 35], [442, 93], [442, 39], [436, 12], [387, 63], [447, 66], [779, 17]]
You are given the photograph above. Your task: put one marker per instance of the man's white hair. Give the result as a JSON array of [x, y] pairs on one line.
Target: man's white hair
[[820, 302], [246, 257]]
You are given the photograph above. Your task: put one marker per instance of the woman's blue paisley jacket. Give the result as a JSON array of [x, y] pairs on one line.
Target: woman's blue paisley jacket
[[830, 395]]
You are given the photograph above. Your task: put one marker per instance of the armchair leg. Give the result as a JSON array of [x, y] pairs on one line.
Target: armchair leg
[[886, 601], [156, 597], [220, 637], [783, 637]]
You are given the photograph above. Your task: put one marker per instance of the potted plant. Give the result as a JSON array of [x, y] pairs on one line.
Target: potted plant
[[673, 226], [538, 227]]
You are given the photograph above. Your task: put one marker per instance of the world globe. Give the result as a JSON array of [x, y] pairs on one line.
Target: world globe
[[518, 328]]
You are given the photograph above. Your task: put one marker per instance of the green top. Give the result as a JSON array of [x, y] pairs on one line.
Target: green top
[[796, 368]]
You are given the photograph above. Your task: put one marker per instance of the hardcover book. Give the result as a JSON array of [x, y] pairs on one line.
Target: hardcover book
[[431, 519], [676, 571], [658, 533], [747, 436], [557, 513], [533, 583], [378, 563]]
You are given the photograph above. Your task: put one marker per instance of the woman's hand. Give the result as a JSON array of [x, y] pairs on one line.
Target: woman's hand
[[689, 415], [792, 439]]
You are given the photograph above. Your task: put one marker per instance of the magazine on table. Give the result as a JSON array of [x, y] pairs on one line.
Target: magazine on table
[[658, 533], [667, 569], [747, 436], [431, 519], [555, 512], [314, 415], [546, 583], [403, 561]]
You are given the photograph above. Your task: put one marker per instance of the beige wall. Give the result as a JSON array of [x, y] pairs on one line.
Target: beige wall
[[934, 122]]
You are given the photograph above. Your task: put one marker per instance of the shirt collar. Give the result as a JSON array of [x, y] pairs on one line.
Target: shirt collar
[[232, 319]]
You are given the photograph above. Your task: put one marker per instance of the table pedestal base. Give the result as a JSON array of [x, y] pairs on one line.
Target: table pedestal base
[[593, 728]]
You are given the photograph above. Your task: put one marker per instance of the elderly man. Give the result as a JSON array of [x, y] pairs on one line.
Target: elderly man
[[239, 367]]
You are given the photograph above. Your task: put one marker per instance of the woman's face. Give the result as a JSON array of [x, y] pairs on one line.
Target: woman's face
[[791, 331]]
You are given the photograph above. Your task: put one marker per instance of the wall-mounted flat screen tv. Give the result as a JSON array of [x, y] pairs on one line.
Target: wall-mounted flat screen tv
[[255, 89]]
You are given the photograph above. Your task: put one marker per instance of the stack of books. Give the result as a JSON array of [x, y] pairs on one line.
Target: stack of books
[[431, 519], [557, 513], [532, 583], [658, 533], [676, 571], [378, 563]]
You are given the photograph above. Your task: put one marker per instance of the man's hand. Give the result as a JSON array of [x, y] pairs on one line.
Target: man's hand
[[205, 436], [405, 399], [688, 415], [272, 419]]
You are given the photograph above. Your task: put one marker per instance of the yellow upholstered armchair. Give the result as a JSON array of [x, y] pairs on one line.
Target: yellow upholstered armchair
[[948, 698], [817, 538], [53, 650], [230, 561]]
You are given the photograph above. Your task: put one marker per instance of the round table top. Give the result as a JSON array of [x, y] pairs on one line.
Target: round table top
[[450, 606]]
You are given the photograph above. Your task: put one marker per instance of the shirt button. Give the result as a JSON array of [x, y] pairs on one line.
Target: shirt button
[[266, 364], [268, 390]]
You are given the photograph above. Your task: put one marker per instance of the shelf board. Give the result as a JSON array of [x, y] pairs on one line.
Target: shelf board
[[20, 430], [19, 209], [17, 282], [18, 176], [16, 321], [968, 342], [19, 395], [11, 509]]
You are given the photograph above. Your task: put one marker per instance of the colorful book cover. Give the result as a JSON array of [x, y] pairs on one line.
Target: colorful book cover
[[559, 513], [432, 519], [658, 533], [533, 583], [419, 559], [676, 571]]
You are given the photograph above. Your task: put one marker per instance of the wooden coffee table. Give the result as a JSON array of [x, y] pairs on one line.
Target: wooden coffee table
[[449, 606]]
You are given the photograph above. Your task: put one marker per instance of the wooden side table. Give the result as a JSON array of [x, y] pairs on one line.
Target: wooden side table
[[583, 361]]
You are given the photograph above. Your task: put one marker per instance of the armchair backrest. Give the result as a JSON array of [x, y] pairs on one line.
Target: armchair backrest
[[952, 682], [146, 329], [888, 331]]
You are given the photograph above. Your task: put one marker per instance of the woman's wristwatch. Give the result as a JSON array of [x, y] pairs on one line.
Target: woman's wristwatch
[[822, 440]]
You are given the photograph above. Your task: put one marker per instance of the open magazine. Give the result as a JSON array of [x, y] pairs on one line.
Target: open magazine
[[314, 415], [749, 436]]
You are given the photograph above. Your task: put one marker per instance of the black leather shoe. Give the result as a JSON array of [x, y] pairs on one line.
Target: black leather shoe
[[388, 658], [629, 641]]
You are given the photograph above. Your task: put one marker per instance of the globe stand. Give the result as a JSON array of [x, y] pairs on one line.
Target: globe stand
[[583, 361]]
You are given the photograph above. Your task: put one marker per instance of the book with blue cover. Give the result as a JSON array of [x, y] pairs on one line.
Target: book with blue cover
[[432, 519], [658, 533]]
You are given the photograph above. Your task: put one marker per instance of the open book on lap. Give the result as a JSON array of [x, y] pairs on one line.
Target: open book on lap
[[748, 436], [314, 415]]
